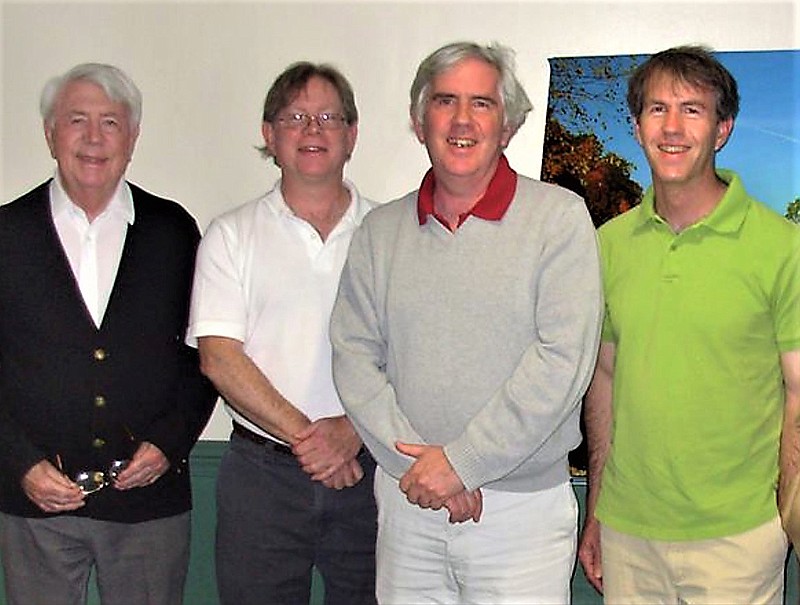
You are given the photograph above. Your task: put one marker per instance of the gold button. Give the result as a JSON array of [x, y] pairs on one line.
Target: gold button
[[99, 401], [98, 443], [99, 354]]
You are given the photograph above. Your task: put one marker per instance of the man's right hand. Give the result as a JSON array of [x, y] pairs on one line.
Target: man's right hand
[[346, 475], [590, 555], [50, 489]]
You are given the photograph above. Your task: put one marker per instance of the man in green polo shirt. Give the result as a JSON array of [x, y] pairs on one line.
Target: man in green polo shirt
[[694, 408]]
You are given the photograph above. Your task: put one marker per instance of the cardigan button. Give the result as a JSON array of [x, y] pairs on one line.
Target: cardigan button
[[99, 354], [99, 401], [98, 442]]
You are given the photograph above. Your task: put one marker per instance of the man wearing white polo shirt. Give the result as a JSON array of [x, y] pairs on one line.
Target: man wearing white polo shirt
[[295, 486]]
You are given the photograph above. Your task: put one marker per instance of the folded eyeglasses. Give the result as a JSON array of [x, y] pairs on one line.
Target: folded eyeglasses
[[90, 481]]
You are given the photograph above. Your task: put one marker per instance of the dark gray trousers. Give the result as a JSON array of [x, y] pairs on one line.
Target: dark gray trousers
[[274, 525]]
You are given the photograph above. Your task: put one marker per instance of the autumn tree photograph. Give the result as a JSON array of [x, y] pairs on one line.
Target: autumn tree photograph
[[590, 148]]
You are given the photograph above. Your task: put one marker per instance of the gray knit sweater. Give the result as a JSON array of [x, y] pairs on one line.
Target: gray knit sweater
[[483, 340]]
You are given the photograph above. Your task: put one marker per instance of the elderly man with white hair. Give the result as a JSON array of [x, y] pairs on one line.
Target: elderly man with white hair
[[100, 399]]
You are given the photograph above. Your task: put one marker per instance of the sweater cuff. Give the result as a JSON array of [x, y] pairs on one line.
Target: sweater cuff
[[467, 464]]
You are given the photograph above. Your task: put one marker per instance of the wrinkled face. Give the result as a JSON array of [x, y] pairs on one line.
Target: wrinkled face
[[679, 131], [311, 151], [92, 140], [463, 127]]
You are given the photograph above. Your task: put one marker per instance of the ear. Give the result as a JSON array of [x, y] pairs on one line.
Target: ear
[[636, 132], [724, 129], [505, 136], [49, 136], [418, 130], [268, 132], [134, 138], [352, 135]]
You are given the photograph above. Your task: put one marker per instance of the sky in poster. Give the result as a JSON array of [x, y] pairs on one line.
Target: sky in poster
[[765, 146]]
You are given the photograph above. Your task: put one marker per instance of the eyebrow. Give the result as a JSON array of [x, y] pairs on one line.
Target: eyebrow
[[474, 97], [490, 100], [686, 103], [84, 112]]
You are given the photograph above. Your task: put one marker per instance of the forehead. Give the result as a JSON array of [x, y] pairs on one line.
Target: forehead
[[470, 75], [83, 95], [663, 86], [317, 91]]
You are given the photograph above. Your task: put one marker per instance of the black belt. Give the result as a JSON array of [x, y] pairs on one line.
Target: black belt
[[246, 433]]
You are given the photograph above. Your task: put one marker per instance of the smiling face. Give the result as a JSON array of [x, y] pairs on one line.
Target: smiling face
[[680, 133], [463, 127], [92, 140], [311, 152]]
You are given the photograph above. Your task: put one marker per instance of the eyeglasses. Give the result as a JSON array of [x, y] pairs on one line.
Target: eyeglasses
[[325, 121], [92, 481]]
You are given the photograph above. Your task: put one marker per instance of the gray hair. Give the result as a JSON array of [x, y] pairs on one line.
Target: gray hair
[[115, 83], [516, 103]]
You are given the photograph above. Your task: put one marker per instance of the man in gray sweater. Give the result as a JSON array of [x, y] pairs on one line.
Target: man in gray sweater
[[465, 333]]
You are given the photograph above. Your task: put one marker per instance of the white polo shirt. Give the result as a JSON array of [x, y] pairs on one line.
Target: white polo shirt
[[264, 277]]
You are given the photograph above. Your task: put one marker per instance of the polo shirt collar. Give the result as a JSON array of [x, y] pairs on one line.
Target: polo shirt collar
[[728, 215], [491, 207]]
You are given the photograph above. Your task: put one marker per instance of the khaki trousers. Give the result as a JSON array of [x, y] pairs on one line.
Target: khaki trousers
[[745, 568]]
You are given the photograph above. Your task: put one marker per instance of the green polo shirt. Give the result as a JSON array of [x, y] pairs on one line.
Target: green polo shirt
[[699, 320]]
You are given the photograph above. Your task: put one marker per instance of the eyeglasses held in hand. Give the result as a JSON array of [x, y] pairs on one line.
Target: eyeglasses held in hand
[[325, 121], [91, 481]]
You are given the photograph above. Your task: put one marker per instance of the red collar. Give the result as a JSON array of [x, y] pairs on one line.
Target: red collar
[[491, 207]]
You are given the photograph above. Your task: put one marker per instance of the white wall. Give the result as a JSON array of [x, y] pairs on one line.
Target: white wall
[[204, 69]]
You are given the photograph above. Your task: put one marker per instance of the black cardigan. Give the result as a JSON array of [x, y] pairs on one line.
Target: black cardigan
[[71, 390]]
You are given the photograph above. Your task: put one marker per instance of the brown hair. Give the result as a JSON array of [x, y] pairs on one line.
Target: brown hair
[[694, 65], [294, 79]]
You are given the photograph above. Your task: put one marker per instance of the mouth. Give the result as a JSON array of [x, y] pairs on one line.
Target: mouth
[[312, 149], [91, 160], [461, 142], [673, 148]]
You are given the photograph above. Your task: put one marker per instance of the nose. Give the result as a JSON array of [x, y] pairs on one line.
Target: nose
[[672, 121], [463, 112], [93, 131], [312, 120]]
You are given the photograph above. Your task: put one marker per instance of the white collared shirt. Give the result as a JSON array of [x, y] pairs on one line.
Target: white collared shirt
[[105, 234], [267, 279]]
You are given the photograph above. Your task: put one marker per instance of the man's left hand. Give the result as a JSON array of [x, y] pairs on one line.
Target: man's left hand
[[145, 468], [465, 506], [326, 446], [431, 479]]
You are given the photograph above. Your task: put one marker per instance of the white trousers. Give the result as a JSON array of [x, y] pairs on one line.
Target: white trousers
[[522, 551]]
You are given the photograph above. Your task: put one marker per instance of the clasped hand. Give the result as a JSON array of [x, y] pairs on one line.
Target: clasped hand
[[431, 482], [326, 450]]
